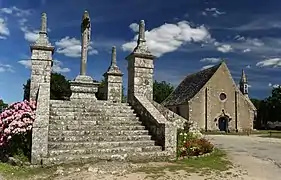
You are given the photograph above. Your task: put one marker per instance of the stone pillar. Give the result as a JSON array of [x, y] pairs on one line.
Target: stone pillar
[[140, 68], [83, 87], [41, 67], [41, 59], [113, 80]]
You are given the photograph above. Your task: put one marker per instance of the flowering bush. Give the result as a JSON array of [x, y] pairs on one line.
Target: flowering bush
[[16, 124], [190, 145]]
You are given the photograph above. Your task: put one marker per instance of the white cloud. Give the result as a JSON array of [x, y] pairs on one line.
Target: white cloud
[[213, 11], [246, 50], [57, 66], [6, 68], [206, 67], [134, 27], [273, 85], [30, 36], [71, 47], [169, 37], [15, 11], [248, 66], [211, 60], [225, 48], [274, 62], [4, 31]]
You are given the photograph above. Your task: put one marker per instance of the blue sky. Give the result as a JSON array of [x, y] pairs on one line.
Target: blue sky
[[186, 36]]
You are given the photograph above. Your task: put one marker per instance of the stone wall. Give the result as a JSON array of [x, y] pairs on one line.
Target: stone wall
[[40, 128], [162, 131], [177, 120]]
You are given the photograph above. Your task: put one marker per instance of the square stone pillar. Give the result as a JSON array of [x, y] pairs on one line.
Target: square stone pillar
[[140, 68], [41, 68], [113, 80]]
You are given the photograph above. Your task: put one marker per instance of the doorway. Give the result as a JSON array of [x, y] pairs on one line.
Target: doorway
[[223, 124]]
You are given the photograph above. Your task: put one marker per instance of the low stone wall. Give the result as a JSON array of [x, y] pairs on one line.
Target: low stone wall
[[40, 128], [162, 131], [176, 119]]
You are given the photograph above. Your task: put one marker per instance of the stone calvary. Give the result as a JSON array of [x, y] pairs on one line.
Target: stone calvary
[[85, 129]]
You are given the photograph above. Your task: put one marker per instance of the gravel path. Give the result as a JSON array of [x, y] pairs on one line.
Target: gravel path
[[261, 157]]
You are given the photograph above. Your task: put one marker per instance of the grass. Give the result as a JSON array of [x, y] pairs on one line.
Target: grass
[[22, 172], [217, 161]]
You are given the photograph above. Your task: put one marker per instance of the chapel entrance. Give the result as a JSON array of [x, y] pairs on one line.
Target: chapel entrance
[[223, 123]]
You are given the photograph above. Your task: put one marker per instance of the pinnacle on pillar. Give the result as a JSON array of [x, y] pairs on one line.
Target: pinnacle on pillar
[[43, 39], [141, 47], [113, 68]]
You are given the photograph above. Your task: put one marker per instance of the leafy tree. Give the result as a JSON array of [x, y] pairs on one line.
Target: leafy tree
[[161, 90], [273, 104], [60, 87], [2, 105]]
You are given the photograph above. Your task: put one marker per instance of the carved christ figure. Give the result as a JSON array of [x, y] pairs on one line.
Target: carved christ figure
[[86, 38]]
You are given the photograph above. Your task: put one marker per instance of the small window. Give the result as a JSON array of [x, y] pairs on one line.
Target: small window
[[245, 88], [222, 96]]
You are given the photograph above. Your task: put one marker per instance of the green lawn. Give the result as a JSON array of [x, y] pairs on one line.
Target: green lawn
[[217, 161]]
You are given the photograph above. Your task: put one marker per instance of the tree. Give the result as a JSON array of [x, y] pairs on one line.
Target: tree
[[2, 105], [161, 90], [60, 87], [273, 103]]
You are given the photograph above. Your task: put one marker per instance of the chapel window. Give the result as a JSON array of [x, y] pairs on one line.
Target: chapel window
[[222, 96]]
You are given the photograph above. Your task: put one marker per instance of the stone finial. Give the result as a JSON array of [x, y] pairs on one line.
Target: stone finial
[[113, 56], [142, 31], [243, 77], [44, 23], [85, 15]]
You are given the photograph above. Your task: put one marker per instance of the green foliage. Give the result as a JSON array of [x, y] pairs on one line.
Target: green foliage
[[2, 105], [161, 90], [60, 87]]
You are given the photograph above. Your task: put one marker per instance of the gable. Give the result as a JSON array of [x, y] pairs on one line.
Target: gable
[[190, 86]]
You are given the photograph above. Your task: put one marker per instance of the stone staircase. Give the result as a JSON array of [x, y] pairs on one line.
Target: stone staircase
[[98, 131]]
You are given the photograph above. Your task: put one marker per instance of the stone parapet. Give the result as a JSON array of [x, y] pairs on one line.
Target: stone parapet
[[176, 119], [163, 131], [83, 87], [40, 128]]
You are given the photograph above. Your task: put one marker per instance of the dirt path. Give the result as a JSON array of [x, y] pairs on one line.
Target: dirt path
[[261, 157]]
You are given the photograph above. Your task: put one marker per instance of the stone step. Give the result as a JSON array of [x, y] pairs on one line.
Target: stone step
[[98, 138], [60, 103], [93, 123], [73, 114], [97, 127], [97, 144], [135, 157], [92, 109], [115, 150], [94, 118], [98, 132]]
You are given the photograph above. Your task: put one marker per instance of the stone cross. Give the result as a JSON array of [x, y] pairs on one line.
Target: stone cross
[[86, 37], [44, 23]]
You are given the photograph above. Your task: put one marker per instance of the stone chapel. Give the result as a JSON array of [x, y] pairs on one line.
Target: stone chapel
[[212, 99]]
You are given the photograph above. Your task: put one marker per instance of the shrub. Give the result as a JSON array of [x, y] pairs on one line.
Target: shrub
[[15, 128], [190, 145]]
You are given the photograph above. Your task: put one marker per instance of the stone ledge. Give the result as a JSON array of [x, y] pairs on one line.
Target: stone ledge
[[164, 132]]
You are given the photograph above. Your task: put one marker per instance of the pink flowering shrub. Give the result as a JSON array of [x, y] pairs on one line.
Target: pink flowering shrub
[[15, 126]]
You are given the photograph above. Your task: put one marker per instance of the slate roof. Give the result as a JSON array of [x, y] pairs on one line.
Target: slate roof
[[190, 86]]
